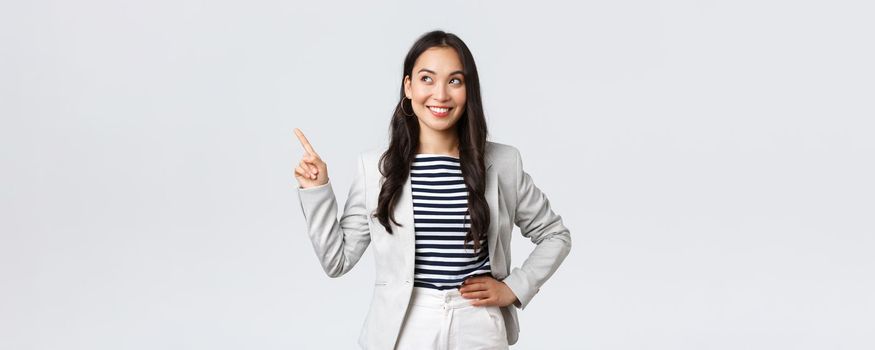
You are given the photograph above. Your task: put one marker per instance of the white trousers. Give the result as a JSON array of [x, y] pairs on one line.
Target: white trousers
[[444, 320]]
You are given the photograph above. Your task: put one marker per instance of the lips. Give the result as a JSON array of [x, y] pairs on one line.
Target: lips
[[440, 111]]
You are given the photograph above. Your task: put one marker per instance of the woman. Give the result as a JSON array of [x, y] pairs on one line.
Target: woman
[[439, 206]]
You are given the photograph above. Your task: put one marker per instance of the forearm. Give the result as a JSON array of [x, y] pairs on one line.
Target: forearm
[[525, 281]]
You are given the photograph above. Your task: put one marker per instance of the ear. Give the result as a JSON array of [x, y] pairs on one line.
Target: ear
[[407, 86]]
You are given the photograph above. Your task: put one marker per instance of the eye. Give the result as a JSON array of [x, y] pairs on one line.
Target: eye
[[457, 79], [425, 77]]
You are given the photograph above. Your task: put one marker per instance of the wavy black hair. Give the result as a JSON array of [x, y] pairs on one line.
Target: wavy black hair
[[404, 141]]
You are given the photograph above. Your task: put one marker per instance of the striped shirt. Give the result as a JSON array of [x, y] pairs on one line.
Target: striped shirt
[[441, 221]]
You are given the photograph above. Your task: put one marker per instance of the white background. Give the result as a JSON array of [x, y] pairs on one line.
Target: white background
[[713, 160]]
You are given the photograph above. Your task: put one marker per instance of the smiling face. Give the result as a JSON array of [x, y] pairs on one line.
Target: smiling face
[[436, 89]]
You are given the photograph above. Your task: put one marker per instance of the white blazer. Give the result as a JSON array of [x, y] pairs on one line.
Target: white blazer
[[513, 198]]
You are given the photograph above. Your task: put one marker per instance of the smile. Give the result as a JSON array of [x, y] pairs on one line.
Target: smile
[[439, 111]]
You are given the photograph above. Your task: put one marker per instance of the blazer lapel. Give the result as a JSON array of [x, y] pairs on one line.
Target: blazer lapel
[[492, 200], [404, 215]]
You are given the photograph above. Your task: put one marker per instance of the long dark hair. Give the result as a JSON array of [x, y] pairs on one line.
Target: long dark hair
[[472, 132]]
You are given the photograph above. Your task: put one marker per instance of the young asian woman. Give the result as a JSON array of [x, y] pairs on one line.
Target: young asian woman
[[438, 206]]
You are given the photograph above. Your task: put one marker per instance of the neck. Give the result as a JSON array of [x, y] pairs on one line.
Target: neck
[[435, 142]]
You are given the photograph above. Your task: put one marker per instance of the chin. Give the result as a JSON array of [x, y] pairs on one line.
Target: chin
[[440, 125]]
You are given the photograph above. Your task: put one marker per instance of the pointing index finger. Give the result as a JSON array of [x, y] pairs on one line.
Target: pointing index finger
[[305, 143]]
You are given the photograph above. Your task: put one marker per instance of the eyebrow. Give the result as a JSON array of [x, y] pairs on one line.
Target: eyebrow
[[432, 72]]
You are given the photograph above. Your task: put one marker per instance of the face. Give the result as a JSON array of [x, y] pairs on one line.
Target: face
[[437, 89]]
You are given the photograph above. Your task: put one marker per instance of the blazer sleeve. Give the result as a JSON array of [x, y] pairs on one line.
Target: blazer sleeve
[[538, 222], [338, 244]]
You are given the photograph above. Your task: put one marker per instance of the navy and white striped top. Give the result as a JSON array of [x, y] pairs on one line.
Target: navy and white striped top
[[441, 220]]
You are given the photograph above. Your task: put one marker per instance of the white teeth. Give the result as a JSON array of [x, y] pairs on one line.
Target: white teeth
[[439, 110]]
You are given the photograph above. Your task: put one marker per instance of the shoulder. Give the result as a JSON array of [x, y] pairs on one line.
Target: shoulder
[[371, 155], [500, 149], [369, 160], [501, 154]]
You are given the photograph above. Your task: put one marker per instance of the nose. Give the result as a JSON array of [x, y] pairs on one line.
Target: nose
[[440, 93]]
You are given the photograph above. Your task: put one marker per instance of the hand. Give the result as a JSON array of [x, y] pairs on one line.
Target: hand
[[311, 171], [488, 291]]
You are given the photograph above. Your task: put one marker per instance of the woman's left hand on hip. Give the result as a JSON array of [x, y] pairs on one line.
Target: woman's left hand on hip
[[487, 291]]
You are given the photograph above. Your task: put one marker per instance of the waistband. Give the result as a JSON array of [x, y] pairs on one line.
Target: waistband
[[439, 299]]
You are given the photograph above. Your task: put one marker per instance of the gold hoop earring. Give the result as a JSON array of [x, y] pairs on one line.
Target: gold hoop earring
[[402, 107]]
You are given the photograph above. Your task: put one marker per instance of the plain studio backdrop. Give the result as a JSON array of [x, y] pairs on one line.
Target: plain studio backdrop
[[712, 159]]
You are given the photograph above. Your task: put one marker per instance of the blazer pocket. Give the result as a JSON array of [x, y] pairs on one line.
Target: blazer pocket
[[380, 283]]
